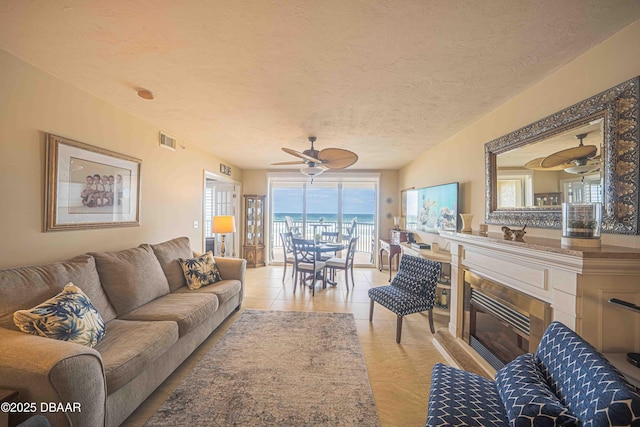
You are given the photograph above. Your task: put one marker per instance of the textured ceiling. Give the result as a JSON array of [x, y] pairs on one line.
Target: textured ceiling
[[386, 79]]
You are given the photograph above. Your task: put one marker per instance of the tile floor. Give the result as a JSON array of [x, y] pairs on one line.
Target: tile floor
[[399, 373]]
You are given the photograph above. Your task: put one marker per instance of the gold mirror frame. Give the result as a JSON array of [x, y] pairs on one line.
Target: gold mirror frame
[[618, 107]]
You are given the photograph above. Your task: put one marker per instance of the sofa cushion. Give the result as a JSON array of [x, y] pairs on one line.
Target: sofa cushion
[[527, 398], [460, 398], [129, 347], [168, 253], [224, 290], [188, 310], [131, 277], [25, 287], [68, 316], [200, 271], [584, 380]]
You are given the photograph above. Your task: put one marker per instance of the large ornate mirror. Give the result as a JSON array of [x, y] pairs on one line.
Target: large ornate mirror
[[585, 153]]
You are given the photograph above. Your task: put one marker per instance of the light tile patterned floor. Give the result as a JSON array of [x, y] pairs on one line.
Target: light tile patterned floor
[[399, 373]]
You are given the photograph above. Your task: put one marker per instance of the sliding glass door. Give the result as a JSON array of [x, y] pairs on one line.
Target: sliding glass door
[[328, 205]]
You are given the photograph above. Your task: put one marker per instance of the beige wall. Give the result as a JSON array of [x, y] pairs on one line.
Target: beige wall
[[461, 157], [33, 103]]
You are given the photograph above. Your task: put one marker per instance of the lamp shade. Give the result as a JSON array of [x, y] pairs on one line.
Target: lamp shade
[[223, 224]]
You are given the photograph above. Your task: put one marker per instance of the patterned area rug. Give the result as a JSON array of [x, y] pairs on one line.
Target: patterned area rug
[[277, 368]]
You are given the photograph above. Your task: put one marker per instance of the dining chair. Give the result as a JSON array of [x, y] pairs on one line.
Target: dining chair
[[307, 263], [346, 263], [412, 290], [351, 230], [289, 256], [288, 222], [330, 236]]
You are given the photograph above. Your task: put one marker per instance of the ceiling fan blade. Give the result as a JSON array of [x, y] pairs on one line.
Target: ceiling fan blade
[[337, 158], [570, 154], [535, 165], [301, 155], [298, 162]]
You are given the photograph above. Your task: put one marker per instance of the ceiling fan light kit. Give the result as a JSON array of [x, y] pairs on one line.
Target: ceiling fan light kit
[[311, 171]]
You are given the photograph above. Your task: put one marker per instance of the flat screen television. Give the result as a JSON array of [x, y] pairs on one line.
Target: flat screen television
[[431, 209]]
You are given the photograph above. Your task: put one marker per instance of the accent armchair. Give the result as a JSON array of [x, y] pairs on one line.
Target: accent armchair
[[412, 290]]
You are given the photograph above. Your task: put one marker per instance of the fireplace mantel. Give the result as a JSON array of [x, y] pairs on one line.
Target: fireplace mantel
[[577, 282]]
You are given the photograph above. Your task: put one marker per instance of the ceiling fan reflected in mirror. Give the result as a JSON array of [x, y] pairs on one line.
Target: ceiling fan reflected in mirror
[[315, 162], [578, 160]]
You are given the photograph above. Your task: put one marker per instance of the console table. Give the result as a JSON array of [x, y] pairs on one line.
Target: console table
[[391, 249], [392, 246]]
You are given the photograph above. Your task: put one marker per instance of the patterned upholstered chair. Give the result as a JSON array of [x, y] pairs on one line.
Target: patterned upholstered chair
[[566, 382], [412, 290]]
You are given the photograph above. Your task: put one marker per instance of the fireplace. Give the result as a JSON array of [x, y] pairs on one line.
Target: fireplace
[[499, 322]]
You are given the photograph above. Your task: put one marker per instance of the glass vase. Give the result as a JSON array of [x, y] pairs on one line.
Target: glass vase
[[581, 220]]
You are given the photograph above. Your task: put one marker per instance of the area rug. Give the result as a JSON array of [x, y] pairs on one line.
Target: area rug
[[277, 368]]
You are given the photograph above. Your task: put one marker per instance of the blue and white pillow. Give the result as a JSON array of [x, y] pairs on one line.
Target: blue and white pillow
[[527, 398], [69, 316]]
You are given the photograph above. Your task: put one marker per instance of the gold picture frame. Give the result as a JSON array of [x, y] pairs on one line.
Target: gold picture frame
[[88, 187]]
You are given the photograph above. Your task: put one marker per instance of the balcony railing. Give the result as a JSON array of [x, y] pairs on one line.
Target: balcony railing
[[364, 230]]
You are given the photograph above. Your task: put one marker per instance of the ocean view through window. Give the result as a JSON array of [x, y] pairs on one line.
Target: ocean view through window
[[324, 209]]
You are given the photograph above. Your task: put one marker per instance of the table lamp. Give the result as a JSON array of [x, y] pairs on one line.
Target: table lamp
[[223, 224]]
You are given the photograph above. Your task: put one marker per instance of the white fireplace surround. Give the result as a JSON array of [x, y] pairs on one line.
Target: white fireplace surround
[[577, 282]]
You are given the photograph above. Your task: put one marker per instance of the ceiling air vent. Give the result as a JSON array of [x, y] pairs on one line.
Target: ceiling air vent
[[167, 142]]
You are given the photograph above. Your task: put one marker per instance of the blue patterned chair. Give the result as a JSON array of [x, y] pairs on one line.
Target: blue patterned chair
[[565, 383], [412, 290]]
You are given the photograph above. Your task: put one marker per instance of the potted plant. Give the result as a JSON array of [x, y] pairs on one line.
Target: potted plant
[[581, 228], [581, 220]]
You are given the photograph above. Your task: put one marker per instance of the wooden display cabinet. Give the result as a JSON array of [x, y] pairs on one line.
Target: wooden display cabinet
[[253, 240]]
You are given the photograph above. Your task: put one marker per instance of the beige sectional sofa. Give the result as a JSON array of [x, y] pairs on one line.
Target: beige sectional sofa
[[153, 323]]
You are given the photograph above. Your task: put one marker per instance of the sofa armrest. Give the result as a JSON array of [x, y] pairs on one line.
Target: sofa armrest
[[232, 268], [45, 371]]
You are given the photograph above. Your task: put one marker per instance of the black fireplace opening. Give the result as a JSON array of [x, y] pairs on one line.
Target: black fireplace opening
[[495, 340], [501, 323]]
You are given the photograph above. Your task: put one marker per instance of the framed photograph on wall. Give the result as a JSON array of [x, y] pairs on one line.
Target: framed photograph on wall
[[89, 187]]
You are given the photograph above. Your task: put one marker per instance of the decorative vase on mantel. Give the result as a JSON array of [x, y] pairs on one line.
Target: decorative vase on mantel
[[466, 222]]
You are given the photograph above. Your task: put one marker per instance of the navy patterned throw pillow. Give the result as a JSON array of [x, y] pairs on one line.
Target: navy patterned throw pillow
[[200, 271], [527, 398], [69, 316]]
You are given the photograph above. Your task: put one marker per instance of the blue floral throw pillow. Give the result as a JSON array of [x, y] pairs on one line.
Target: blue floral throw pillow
[[527, 398], [69, 316], [200, 271]]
